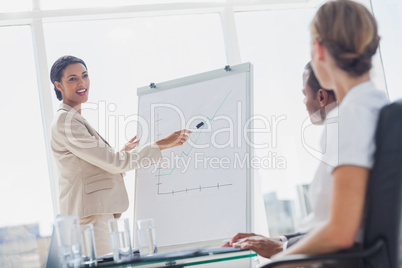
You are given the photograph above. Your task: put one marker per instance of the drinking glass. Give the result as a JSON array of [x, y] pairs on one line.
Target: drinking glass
[[146, 236], [121, 242], [69, 240]]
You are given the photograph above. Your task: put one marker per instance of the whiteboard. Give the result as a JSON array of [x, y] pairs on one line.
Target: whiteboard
[[201, 191]]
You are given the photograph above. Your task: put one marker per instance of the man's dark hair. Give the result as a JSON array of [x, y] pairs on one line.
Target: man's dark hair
[[313, 83], [57, 71]]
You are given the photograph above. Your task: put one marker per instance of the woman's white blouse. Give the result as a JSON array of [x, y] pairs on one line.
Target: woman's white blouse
[[348, 139]]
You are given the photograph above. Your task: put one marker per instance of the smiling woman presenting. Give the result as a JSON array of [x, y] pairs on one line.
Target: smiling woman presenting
[[91, 172]]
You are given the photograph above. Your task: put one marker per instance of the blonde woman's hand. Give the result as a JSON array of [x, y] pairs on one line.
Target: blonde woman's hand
[[175, 139]]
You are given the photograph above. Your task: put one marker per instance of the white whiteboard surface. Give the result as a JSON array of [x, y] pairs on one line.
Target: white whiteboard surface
[[200, 191]]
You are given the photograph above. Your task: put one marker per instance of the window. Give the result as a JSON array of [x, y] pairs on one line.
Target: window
[[277, 43], [15, 5], [388, 15], [25, 195]]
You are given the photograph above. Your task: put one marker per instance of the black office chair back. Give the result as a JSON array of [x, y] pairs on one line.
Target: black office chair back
[[383, 202]]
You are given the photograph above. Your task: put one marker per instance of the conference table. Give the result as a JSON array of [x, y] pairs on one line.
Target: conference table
[[182, 258]]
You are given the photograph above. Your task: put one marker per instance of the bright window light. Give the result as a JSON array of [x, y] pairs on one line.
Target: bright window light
[[389, 18], [15, 5], [25, 195], [277, 43], [60, 4]]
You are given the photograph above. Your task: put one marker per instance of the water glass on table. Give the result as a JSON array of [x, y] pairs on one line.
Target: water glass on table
[[146, 237], [121, 242], [69, 240], [88, 245]]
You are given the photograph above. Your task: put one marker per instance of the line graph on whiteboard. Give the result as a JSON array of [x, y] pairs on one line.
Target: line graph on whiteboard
[[166, 173]]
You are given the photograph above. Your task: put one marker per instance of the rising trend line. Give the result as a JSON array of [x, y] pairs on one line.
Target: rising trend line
[[210, 119], [195, 142]]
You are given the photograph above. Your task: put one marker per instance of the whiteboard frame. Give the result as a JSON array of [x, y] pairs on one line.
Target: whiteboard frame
[[193, 79]]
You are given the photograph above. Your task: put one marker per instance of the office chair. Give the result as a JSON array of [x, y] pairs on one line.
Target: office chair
[[380, 247]]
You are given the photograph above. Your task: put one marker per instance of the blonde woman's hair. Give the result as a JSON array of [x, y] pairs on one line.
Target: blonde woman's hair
[[349, 32]]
